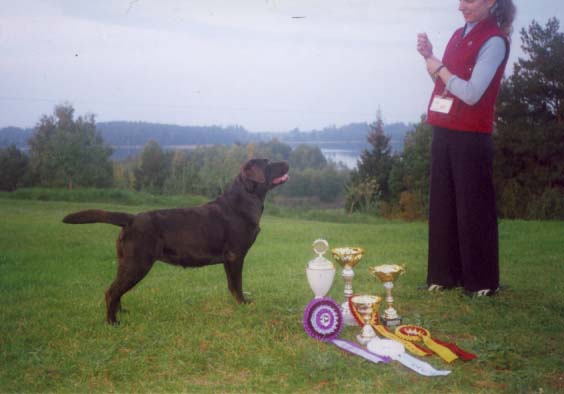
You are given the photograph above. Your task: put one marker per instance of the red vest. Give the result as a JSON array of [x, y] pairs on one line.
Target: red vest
[[460, 58]]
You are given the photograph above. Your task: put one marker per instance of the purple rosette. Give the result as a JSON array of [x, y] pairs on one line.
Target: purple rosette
[[323, 319]]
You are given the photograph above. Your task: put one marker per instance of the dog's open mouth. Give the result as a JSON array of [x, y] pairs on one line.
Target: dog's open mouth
[[280, 180]]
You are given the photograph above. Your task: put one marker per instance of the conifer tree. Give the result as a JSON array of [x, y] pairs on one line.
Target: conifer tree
[[374, 165], [529, 140]]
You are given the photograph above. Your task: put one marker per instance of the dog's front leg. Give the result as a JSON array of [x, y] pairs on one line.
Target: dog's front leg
[[233, 265]]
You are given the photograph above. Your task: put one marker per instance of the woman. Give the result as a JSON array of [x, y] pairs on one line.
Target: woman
[[463, 238]]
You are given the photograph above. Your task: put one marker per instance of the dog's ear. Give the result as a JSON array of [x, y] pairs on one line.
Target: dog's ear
[[251, 171]]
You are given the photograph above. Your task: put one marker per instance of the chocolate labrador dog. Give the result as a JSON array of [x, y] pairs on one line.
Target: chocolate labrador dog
[[219, 232]]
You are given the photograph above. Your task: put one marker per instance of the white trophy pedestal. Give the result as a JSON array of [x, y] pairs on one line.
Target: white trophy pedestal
[[348, 319]]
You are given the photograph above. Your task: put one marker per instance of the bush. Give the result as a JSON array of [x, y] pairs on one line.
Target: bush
[[411, 207], [327, 184], [550, 205], [13, 166], [512, 201]]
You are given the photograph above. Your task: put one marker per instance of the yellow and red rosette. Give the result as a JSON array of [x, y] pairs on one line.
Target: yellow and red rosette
[[447, 351], [410, 346], [416, 333]]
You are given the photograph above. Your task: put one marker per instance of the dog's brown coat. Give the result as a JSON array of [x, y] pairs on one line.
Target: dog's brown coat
[[219, 232]]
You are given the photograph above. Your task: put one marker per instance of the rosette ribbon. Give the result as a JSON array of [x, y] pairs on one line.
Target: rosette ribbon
[[461, 353], [323, 320], [396, 351], [411, 347], [447, 351]]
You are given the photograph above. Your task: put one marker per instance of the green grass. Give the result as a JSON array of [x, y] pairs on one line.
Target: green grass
[[185, 333], [89, 195]]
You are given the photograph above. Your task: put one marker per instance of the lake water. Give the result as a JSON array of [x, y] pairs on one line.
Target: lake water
[[346, 157]]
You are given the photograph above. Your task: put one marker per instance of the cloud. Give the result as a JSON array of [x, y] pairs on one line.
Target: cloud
[[222, 62]]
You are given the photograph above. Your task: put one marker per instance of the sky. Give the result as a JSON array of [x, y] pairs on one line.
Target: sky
[[265, 65]]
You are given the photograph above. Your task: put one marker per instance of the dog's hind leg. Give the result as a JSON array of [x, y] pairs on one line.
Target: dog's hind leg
[[130, 272]]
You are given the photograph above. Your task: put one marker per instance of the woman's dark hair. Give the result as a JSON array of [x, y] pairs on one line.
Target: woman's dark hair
[[504, 12]]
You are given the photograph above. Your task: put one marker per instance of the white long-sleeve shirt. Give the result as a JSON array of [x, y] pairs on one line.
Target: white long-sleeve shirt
[[489, 58]]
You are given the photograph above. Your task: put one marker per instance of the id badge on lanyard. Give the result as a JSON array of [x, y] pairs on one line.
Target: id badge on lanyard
[[441, 103]]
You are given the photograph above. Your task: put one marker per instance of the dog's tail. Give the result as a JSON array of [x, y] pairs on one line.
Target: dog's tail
[[98, 216]]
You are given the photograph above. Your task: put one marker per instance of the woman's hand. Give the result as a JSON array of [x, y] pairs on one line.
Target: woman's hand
[[433, 64], [424, 46]]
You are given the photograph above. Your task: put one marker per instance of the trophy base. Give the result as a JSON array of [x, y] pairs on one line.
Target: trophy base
[[366, 335], [391, 322], [348, 319], [363, 340]]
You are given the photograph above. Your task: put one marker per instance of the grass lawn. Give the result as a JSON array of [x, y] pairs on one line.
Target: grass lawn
[[184, 332]]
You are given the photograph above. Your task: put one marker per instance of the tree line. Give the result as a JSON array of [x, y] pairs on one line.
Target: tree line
[[528, 140], [209, 171], [68, 151]]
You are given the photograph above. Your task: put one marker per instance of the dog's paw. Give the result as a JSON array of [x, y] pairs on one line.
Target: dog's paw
[[245, 298]]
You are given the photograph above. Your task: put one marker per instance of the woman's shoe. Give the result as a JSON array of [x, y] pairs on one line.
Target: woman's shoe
[[481, 293], [435, 288]]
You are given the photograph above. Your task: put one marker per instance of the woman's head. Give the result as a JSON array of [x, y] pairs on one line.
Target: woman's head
[[475, 10], [478, 10]]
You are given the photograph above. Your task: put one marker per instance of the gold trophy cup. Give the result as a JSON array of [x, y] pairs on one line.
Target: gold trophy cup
[[347, 258], [365, 305], [387, 274]]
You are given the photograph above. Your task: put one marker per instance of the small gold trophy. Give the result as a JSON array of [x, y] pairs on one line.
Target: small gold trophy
[[347, 258], [388, 273], [365, 305]]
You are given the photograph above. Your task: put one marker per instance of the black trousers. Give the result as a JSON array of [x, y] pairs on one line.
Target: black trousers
[[463, 237]]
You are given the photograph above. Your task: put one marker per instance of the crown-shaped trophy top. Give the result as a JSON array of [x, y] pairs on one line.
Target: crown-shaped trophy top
[[347, 257], [387, 272], [320, 247], [364, 300]]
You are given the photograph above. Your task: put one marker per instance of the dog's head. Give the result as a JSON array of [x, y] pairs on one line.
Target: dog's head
[[261, 175]]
